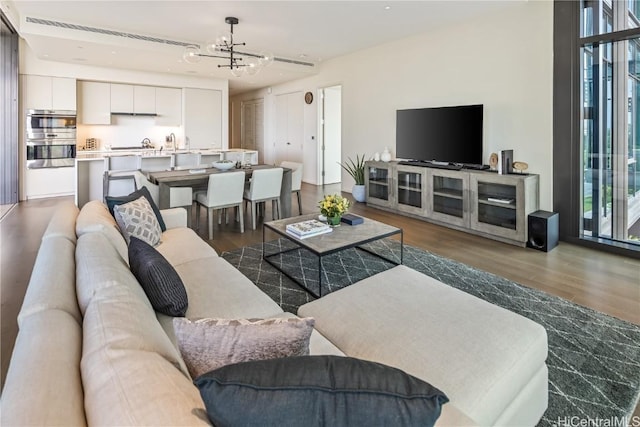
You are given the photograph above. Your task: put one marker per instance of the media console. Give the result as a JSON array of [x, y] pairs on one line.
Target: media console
[[477, 201]]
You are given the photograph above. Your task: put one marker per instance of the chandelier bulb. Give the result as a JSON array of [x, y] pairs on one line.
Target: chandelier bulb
[[266, 58], [191, 54]]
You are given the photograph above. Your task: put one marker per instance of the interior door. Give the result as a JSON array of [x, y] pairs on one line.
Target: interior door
[[332, 134], [289, 127]]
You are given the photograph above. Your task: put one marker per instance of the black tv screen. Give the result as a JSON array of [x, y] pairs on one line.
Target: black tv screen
[[444, 134]]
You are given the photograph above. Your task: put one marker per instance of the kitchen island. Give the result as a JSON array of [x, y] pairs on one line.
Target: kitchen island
[[91, 166]]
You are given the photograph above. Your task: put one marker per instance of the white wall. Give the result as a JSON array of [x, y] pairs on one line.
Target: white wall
[[503, 60]]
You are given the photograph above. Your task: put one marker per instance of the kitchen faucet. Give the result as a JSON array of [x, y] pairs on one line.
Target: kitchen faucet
[[172, 138]]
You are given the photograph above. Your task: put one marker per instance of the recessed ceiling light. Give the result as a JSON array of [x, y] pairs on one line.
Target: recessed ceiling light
[[387, 8], [113, 52], [79, 59]]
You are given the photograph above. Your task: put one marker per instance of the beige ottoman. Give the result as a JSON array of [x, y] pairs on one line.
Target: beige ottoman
[[488, 360]]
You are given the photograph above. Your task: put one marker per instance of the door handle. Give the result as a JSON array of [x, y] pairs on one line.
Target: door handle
[[288, 143]]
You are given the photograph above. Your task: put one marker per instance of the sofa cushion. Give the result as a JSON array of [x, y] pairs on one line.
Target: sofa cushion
[[43, 385], [63, 222], [98, 265], [182, 245], [479, 354], [53, 280], [318, 344], [94, 217], [142, 192], [318, 390], [208, 344], [158, 278], [216, 289], [136, 218]]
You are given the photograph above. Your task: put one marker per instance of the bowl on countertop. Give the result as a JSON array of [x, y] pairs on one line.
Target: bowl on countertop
[[224, 165]]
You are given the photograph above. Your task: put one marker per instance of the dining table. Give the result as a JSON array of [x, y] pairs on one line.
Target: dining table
[[198, 178]]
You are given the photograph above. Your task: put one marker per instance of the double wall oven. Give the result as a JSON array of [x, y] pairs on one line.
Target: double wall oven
[[50, 139]]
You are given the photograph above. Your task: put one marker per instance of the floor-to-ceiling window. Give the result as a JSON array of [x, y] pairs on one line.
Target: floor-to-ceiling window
[[8, 113], [609, 49]]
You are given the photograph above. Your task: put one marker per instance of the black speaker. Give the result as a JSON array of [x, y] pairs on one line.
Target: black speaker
[[543, 230]]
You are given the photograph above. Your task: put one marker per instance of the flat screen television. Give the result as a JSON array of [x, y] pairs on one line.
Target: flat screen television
[[443, 134]]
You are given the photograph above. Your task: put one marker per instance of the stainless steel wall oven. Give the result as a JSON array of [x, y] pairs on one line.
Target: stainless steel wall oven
[[50, 138]]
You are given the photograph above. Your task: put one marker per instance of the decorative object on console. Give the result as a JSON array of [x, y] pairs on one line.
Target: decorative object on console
[[310, 228], [520, 167], [158, 279], [340, 391], [386, 155], [356, 170], [240, 62], [376, 156], [493, 161], [333, 207], [208, 344], [352, 219], [505, 162]]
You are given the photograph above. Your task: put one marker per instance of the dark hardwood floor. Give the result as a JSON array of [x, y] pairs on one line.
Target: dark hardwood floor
[[601, 281]]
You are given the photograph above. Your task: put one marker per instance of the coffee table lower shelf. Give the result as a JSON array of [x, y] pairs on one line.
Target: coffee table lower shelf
[[331, 247]]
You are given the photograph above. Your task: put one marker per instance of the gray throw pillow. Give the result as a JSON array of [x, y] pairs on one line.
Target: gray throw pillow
[[318, 391], [158, 278], [137, 219], [208, 344]]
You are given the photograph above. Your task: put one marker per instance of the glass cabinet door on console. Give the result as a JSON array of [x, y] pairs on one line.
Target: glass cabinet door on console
[[410, 189], [378, 178], [499, 205], [448, 196]]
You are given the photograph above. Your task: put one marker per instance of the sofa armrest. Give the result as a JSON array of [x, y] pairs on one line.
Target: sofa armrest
[[174, 217]]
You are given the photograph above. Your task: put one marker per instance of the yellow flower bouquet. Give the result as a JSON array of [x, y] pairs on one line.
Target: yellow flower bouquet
[[333, 206]]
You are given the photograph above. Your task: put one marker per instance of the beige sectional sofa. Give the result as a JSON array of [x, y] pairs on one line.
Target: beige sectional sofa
[[92, 351]]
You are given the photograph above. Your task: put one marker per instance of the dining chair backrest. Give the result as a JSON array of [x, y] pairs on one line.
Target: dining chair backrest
[[225, 188], [296, 174], [265, 183], [142, 181]]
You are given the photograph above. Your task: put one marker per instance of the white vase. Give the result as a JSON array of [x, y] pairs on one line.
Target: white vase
[[376, 157], [358, 192], [386, 155]]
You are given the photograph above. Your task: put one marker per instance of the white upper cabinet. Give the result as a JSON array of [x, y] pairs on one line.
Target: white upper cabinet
[[94, 99], [49, 93], [133, 99], [168, 106], [144, 99], [203, 118], [121, 98]]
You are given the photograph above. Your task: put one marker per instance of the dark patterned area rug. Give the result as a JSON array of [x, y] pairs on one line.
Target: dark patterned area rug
[[594, 359]]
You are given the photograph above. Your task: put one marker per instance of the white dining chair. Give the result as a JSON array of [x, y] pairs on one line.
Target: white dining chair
[[265, 185], [296, 180], [179, 197], [225, 190]]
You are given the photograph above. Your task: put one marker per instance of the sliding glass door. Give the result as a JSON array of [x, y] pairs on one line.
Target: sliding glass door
[[610, 122]]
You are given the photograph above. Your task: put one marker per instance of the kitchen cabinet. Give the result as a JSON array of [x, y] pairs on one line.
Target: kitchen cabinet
[[202, 113], [94, 99], [49, 93], [49, 182], [131, 99], [121, 98], [168, 106]]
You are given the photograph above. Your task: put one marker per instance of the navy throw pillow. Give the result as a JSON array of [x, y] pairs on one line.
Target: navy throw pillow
[[158, 278], [318, 391], [113, 201]]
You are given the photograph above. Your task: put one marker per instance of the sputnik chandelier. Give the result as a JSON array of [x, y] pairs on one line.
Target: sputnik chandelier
[[239, 62]]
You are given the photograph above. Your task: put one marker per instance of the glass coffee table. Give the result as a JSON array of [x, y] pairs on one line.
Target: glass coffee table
[[340, 238]]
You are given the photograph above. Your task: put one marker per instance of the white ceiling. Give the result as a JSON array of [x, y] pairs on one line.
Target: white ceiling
[[313, 31]]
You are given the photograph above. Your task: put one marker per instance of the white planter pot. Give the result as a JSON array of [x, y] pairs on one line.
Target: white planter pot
[[358, 193]]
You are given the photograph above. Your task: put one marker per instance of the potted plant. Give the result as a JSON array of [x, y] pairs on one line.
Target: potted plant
[[356, 170], [333, 207]]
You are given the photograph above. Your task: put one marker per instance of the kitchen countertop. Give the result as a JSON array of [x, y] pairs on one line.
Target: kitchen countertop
[[150, 152]]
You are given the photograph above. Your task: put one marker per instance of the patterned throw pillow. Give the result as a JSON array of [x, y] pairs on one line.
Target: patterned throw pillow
[[208, 344], [137, 219], [158, 278], [113, 201]]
